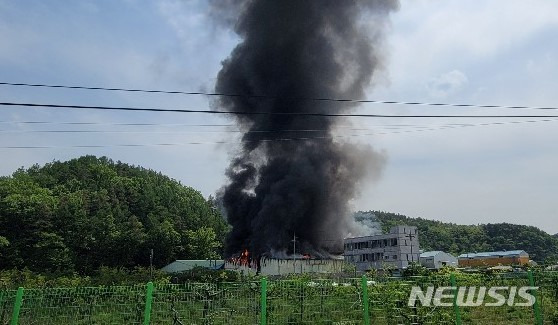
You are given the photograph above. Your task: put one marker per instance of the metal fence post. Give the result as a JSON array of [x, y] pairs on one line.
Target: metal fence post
[[455, 306], [365, 302], [263, 302], [148, 301], [536, 307], [17, 306]]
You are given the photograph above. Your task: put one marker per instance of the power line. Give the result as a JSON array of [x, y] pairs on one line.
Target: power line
[[350, 127], [158, 132], [166, 132], [112, 124], [342, 127], [403, 127], [259, 96], [330, 137], [379, 127], [299, 114]]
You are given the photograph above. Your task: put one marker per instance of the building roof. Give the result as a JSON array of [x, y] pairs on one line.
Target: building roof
[[430, 254], [394, 232], [493, 254], [185, 265]]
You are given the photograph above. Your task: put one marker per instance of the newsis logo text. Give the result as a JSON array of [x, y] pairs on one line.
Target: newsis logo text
[[473, 296]]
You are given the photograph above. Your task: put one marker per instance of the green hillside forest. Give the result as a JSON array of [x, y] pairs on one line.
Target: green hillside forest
[[87, 213], [457, 239]]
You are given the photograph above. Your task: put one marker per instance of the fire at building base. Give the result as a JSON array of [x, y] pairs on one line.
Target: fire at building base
[[272, 266]]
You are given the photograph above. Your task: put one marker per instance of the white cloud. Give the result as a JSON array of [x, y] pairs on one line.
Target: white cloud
[[446, 84], [431, 37]]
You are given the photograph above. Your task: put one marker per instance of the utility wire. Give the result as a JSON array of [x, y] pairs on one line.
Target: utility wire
[[157, 132], [306, 114], [378, 127], [329, 137], [426, 127], [113, 124], [350, 127], [322, 99]]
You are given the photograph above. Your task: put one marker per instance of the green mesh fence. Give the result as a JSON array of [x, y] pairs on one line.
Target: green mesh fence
[[97, 305], [388, 302], [315, 302], [507, 313], [204, 303], [303, 301], [547, 296], [7, 298]]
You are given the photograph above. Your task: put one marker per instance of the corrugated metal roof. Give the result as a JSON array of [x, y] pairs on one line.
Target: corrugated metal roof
[[430, 254], [185, 265], [492, 254]]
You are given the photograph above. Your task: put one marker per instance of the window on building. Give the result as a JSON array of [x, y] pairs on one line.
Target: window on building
[[394, 257]]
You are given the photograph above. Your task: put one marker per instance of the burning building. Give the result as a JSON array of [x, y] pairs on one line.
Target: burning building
[[291, 175], [278, 266]]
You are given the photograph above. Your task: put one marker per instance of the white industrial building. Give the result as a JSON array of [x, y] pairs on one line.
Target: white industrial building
[[437, 259], [398, 248]]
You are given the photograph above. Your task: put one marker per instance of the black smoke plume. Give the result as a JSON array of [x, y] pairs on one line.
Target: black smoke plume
[[281, 184]]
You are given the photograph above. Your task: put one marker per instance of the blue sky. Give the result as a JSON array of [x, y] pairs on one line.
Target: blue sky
[[490, 52]]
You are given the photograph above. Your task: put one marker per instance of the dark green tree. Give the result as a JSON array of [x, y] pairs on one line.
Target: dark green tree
[[90, 212]]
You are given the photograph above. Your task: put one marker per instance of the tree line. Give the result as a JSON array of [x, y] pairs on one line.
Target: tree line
[[458, 239], [89, 212]]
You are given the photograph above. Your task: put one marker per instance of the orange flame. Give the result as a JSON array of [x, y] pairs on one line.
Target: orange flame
[[243, 259]]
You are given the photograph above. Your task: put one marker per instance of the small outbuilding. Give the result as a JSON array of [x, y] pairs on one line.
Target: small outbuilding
[[437, 259], [186, 265]]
